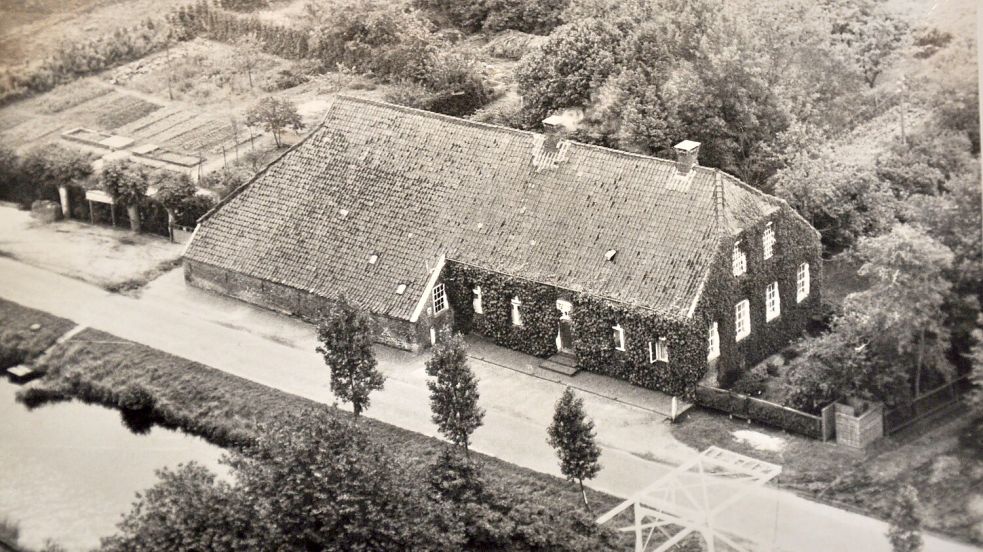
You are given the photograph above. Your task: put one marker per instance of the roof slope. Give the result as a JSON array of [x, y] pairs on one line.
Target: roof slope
[[409, 185]]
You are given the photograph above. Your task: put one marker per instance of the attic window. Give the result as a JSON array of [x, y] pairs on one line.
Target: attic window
[[373, 258], [343, 213], [610, 253], [400, 289]]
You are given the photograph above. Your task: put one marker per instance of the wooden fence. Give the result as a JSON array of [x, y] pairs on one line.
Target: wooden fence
[[929, 403], [750, 408]]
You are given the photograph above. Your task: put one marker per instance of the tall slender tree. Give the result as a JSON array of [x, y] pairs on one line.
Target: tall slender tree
[[346, 336], [572, 435], [454, 391]]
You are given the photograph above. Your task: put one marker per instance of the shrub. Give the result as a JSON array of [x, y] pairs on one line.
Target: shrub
[[750, 383], [930, 40], [135, 397]]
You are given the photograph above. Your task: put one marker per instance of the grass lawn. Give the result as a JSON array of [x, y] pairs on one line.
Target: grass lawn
[[948, 477], [18, 342], [226, 409]]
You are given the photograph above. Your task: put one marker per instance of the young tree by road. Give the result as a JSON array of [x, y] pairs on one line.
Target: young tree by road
[[572, 435], [454, 391], [58, 166], [274, 115], [905, 532], [346, 336]]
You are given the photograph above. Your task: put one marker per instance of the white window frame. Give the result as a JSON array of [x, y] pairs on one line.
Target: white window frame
[[742, 319], [768, 241], [439, 298], [516, 314], [739, 260], [659, 353], [476, 300], [773, 302], [802, 282], [619, 337], [713, 341]]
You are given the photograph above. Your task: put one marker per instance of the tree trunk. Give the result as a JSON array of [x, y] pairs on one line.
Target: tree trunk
[[583, 493], [66, 208], [171, 221], [918, 365], [249, 72], [133, 212]]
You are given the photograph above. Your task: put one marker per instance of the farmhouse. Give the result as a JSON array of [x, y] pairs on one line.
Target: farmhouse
[[641, 268]]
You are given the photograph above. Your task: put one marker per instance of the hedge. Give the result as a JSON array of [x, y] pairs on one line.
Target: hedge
[[760, 411]]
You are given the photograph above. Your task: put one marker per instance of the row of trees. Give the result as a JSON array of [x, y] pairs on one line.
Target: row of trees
[[57, 173], [314, 482]]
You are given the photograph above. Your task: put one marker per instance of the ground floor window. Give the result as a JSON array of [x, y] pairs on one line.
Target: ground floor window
[[802, 282], [619, 337], [713, 344], [773, 302], [516, 315], [658, 350], [742, 320]]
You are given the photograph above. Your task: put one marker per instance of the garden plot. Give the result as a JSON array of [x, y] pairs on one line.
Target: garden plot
[[170, 126], [205, 137], [70, 95], [150, 119], [125, 110]]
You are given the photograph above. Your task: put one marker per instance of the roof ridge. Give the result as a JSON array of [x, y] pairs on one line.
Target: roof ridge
[[479, 124]]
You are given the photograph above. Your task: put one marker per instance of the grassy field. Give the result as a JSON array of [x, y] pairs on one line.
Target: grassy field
[[227, 410], [948, 476], [18, 342]]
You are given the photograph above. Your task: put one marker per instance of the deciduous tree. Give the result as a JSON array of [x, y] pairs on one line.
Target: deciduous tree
[[572, 436], [275, 115], [174, 191], [453, 391], [346, 335], [126, 182], [902, 312], [246, 55]]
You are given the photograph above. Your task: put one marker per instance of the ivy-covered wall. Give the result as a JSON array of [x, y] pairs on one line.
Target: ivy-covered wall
[[795, 242], [593, 320]]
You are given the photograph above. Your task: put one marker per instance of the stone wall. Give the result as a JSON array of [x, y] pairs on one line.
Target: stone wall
[[393, 332]]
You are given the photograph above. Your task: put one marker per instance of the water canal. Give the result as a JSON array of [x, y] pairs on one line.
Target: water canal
[[68, 471]]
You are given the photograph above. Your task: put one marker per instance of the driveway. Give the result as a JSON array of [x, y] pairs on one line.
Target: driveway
[[278, 351]]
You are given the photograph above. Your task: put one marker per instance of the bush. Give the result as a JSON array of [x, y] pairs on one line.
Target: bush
[[750, 383], [930, 41], [135, 397], [286, 78]]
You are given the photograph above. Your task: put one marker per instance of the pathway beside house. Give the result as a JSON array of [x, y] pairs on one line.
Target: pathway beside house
[[278, 351]]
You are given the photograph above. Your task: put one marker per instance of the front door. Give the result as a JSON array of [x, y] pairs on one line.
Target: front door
[[565, 340]]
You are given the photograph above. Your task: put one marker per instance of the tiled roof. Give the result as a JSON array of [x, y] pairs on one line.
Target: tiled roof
[[409, 185]]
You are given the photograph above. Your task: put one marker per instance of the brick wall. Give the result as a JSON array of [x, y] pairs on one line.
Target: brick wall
[[393, 332], [859, 431]]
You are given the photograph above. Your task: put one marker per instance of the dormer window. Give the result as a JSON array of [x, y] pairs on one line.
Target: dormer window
[[516, 315], [439, 298], [739, 260], [400, 289], [373, 258], [609, 254], [768, 241], [476, 300], [619, 337]]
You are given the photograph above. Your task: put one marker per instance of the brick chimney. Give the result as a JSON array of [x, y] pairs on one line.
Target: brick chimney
[[687, 153], [556, 129]]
